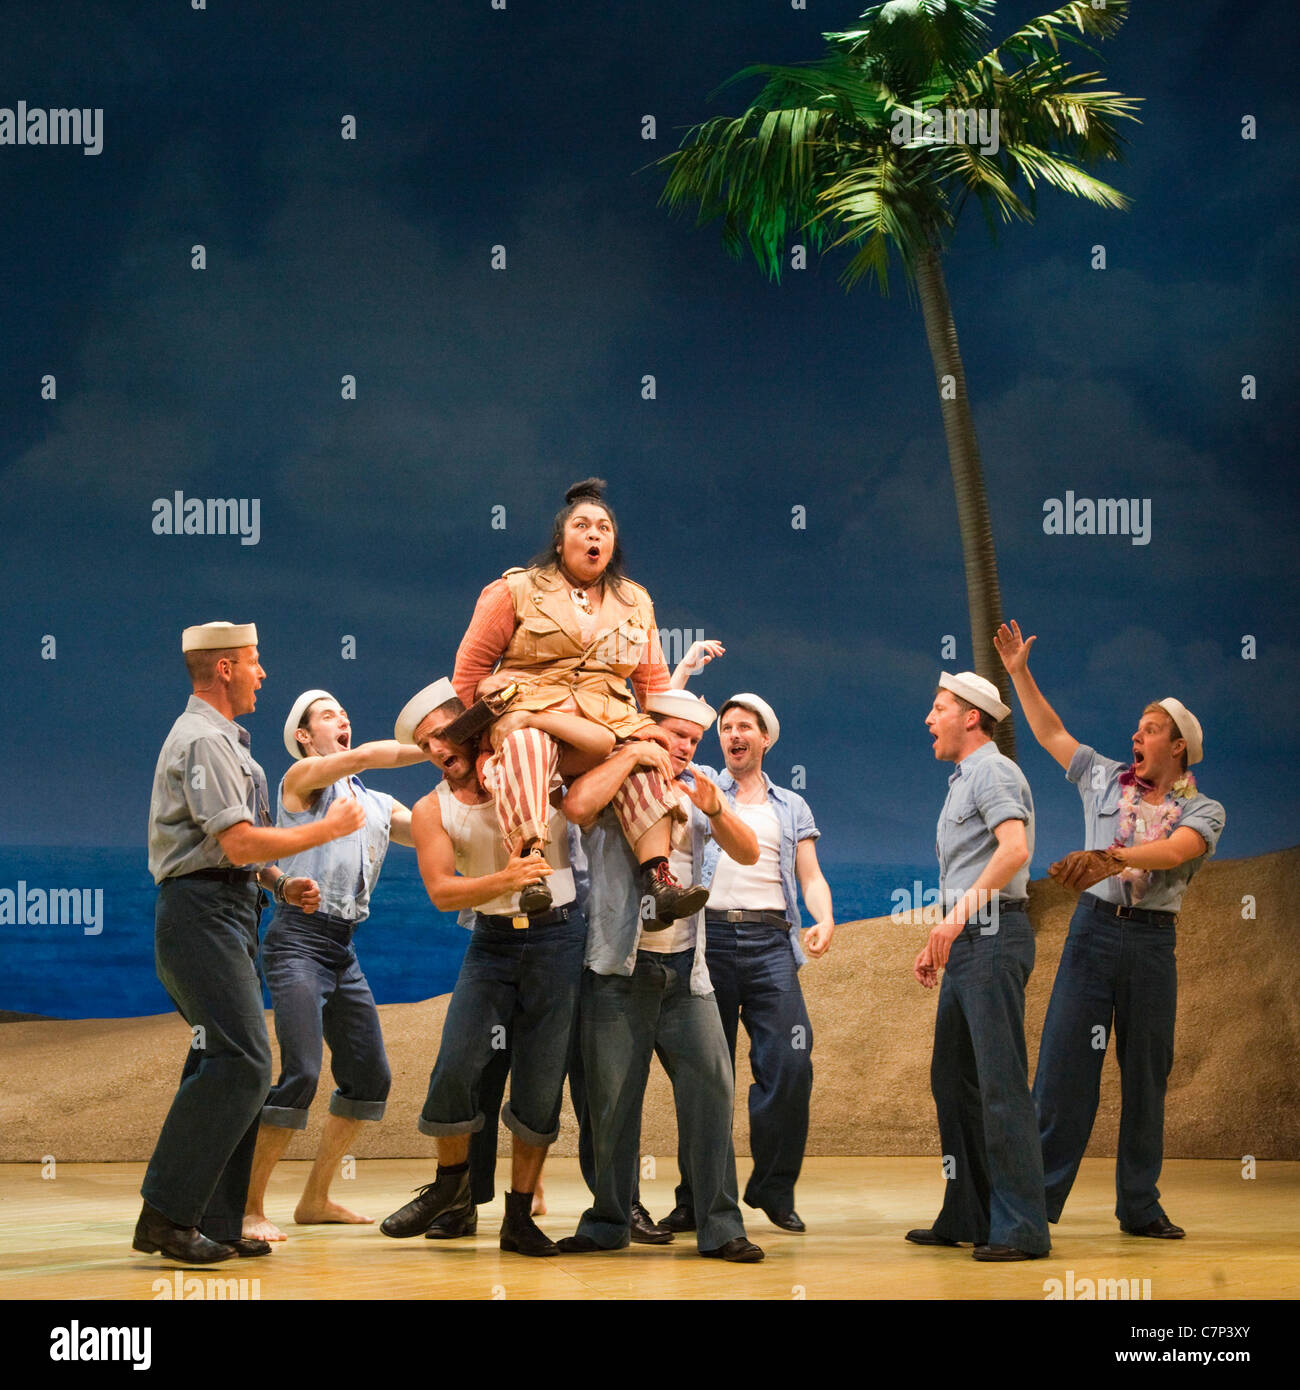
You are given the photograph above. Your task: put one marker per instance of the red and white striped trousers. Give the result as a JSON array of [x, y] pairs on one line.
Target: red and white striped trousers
[[522, 772]]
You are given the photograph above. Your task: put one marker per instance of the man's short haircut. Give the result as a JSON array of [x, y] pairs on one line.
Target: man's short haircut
[[988, 725], [202, 665], [736, 704]]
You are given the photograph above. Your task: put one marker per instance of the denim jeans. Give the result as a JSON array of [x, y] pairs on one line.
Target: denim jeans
[[756, 982], [625, 1020], [483, 1145], [205, 944], [517, 992], [980, 1080], [320, 995], [1110, 970]]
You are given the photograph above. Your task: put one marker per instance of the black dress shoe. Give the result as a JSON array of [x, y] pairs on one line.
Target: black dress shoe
[[582, 1245], [645, 1231], [245, 1249], [451, 1225], [1004, 1254], [155, 1235], [925, 1236], [680, 1219], [520, 1234], [738, 1250], [786, 1220], [1160, 1229], [447, 1195]]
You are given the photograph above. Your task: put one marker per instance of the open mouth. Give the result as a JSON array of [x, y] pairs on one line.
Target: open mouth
[[593, 552]]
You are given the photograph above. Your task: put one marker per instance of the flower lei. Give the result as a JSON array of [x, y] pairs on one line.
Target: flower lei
[[1130, 819]]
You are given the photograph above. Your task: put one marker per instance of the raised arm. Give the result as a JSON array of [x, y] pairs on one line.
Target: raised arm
[[696, 659], [309, 776], [1043, 719], [651, 674], [486, 638]]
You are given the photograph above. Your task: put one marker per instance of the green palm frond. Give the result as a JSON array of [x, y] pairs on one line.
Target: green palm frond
[[1075, 23], [757, 173], [824, 149], [889, 207], [907, 41], [830, 84], [1037, 164]]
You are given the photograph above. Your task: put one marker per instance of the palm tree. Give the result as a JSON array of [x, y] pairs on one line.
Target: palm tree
[[858, 147]]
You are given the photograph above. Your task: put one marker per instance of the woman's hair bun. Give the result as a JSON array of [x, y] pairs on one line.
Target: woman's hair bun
[[593, 488]]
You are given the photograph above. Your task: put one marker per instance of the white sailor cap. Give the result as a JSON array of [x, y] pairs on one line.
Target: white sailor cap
[[207, 637], [296, 712], [761, 708], [681, 704], [975, 690], [419, 705], [1188, 725]]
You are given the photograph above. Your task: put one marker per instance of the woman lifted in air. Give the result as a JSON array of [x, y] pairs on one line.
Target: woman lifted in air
[[570, 631]]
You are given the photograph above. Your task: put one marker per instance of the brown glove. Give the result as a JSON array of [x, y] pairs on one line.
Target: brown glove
[[1080, 870]]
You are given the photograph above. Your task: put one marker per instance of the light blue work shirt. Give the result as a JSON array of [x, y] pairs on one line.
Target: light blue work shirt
[[614, 902], [345, 869], [985, 789], [206, 780], [1098, 781], [796, 823]]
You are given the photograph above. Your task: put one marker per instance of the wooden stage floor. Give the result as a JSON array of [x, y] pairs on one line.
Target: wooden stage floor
[[68, 1237]]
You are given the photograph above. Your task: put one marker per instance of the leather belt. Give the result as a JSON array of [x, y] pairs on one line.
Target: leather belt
[[222, 875], [732, 914], [1012, 904], [521, 920], [1135, 914]]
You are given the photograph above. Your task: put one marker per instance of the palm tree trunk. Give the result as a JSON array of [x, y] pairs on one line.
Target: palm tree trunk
[[983, 597]]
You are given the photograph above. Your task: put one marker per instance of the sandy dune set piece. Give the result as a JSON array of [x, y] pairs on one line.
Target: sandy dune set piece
[[97, 1089]]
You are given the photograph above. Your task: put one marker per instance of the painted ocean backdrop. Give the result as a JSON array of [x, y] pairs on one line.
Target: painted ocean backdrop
[[103, 968]]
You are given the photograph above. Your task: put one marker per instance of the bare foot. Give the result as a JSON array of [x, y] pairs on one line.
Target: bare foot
[[259, 1228], [539, 1200], [329, 1214]]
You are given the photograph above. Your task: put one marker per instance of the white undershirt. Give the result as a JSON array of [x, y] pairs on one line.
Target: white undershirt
[[752, 887]]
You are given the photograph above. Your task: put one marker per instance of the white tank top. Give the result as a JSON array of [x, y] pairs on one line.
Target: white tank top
[[476, 840], [752, 887]]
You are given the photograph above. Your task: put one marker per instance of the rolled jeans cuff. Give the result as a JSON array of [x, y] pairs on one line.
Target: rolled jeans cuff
[[348, 1109], [284, 1117], [440, 1129], [530, 1136]]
